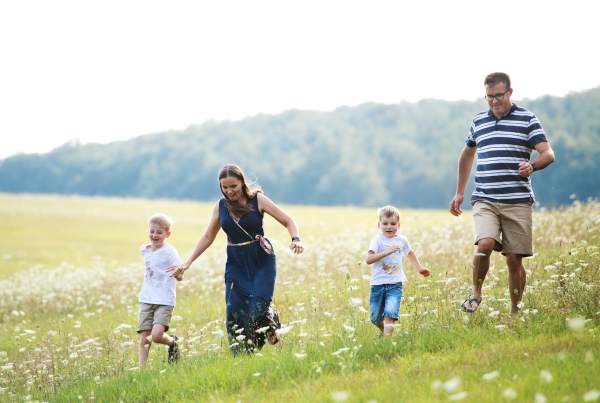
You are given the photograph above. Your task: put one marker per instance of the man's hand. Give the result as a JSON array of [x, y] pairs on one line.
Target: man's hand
[[455, 205], [525, 169]]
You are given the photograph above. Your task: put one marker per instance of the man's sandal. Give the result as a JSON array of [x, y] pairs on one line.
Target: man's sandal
[[470, 299]]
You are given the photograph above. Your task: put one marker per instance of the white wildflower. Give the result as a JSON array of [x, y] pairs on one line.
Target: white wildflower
[[356, 301], [284, 330], [577, 324], [340, 396], [256, 374], [458, 396], [591, 396], [176, 318], [452, 384], [299, 355], [241, 337], [509, 394], [540, 398], [263, 329], [349, 329], [239, 331], [494, 313], [366, 277], [589, 357], [545, 376], [490, 375]]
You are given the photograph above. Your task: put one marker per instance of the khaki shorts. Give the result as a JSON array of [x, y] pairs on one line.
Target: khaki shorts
[[513, 221], [150, 315]]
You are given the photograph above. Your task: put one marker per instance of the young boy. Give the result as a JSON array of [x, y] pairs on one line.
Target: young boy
[[157, 299], [385, 253]]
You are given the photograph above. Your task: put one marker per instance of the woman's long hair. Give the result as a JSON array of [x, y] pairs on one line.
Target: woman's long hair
[[249, 190]]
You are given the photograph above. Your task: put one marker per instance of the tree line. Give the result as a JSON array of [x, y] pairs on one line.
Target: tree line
[[369, 155]]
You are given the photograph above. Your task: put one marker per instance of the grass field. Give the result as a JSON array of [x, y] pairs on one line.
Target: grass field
[[70, 276]]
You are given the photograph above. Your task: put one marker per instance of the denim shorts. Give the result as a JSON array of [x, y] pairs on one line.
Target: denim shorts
[[385, 301]]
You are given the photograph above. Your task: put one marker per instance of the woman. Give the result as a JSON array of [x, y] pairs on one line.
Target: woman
[[251, 267]]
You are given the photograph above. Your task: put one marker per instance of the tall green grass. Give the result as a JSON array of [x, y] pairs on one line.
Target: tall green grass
[[68, 328]]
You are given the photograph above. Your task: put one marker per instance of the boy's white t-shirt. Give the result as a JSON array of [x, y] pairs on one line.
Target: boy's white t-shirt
[[389, 269], [158, 288]]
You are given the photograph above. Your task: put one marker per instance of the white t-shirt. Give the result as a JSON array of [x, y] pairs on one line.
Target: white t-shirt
[[389, 269], [158, 288]]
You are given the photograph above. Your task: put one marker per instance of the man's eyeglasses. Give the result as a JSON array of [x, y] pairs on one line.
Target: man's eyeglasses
[[499, 97]]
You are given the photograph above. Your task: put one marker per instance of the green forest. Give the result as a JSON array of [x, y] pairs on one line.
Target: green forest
[[372, 154]]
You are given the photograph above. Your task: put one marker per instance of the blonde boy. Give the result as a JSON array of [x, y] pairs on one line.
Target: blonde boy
[[157, 298], [385, 254]]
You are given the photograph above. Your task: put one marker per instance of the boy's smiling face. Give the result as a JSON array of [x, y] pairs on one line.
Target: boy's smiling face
[[389, 226], [158, 235]]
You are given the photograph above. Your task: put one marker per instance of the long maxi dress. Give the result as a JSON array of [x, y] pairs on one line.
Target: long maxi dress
[[250, 273]]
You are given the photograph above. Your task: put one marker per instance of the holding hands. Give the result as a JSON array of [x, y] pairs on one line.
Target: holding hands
[[178, 270]]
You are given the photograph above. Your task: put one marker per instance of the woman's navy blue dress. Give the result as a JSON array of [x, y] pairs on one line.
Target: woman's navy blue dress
[[250, 272]]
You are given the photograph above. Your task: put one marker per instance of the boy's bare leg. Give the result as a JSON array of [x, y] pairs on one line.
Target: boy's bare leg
[[517, 278], [387, 330], [159, 336], [143, 350]]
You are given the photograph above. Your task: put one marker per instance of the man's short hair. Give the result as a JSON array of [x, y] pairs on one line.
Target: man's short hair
[[387, 212], [495, 78], [163, 220]]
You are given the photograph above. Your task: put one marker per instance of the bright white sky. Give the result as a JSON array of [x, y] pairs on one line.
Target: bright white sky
[[110, 70]]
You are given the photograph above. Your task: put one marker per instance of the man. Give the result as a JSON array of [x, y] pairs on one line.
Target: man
[[503, 138]]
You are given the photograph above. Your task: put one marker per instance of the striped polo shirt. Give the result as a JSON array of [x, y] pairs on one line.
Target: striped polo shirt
[[501, 145]]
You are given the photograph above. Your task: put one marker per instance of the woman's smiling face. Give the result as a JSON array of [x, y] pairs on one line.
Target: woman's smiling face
[[232, 187]]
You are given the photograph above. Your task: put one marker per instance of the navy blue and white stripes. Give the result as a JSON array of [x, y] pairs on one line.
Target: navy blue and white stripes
[[501, 145]]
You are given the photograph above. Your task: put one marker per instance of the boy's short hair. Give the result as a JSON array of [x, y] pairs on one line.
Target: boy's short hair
[[163, 220], [387, 212]]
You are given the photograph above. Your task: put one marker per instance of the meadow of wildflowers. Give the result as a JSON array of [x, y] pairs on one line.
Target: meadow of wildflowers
[[70, 279]]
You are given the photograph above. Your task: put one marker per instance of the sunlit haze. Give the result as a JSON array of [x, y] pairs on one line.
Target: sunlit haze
[[105, 71]]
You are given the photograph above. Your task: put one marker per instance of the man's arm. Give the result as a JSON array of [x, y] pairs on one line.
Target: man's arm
[[465, 163], [545, 158]]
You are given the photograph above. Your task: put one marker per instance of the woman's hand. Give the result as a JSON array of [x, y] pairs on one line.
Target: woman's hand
[[297, 247], [177, 269]]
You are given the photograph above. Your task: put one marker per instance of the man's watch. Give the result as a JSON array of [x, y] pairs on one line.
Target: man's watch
[[295, 238], [533, 166]]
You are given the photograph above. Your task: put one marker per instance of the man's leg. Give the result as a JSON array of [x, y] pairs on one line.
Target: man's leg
[[487, 238], [517, 278], [481, 265]]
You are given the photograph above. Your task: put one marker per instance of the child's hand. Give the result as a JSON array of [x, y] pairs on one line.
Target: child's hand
[[392, 249], [424, 272]]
